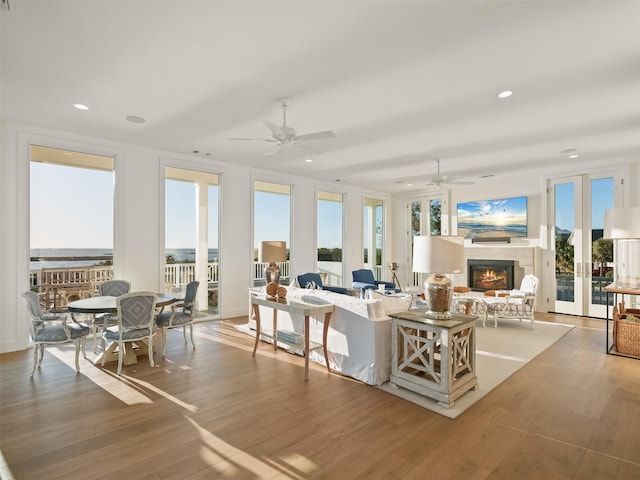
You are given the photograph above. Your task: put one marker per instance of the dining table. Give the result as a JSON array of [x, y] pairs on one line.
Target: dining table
[[108, 304]]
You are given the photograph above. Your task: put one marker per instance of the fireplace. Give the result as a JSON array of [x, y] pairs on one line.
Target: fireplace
[[485, 275]]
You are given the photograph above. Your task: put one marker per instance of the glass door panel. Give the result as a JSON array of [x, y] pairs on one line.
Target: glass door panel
[[582, 258]]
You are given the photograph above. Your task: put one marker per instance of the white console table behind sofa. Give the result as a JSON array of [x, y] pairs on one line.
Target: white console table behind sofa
[[359, 336]]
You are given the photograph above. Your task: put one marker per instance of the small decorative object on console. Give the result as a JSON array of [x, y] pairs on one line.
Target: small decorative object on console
[[272, 289]]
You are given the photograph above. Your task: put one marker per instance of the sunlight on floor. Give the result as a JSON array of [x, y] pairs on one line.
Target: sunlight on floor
[[230, 461]]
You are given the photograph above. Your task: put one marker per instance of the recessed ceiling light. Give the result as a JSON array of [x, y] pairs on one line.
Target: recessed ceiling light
[[505, 94], [308, 160], [80, 106], [575, 155], [135, 119], [486, 176], [409, 184]]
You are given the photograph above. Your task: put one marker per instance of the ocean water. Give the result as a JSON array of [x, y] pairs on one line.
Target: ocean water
[[477, 229], [64, 257]]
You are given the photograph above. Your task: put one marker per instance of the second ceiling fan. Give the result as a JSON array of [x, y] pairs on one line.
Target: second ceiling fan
[[285, 135], [445, 180]]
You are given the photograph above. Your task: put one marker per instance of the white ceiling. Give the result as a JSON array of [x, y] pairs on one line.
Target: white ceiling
[[401, 83]]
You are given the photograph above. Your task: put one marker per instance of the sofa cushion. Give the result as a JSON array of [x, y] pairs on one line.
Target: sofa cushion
[[399, 302]]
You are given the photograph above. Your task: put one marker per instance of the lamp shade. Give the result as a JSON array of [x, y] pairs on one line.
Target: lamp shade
[[272, 251], [621, 223], [438, 254]]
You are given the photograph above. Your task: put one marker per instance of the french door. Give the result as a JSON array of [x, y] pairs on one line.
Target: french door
[[582, 259]]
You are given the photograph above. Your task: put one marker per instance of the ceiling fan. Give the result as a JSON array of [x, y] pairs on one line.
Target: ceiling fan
[[285, 135], [444, 180]]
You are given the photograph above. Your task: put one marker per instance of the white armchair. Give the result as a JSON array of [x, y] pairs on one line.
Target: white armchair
[[518, 304]]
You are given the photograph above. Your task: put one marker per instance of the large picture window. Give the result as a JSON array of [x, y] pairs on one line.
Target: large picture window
[[271, 221], [329, 237], [71, 223]]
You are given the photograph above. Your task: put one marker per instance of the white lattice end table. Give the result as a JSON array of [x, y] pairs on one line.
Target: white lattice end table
[[435, 358]]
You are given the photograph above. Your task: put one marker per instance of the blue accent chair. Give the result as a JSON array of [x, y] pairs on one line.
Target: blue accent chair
[[364, 280], [313, 280]]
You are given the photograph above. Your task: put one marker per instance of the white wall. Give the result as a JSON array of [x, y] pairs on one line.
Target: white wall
[[139, 222]]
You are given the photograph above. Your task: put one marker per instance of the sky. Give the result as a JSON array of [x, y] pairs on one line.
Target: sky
[[88, 194], [504, 211]]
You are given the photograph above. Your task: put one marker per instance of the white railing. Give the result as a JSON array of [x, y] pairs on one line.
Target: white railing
[[259, 268], [176, 274]]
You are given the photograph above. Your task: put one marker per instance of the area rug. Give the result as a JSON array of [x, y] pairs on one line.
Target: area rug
[[500, 352]]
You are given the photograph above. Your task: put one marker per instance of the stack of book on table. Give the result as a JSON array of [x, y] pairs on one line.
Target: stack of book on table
[[291, 337]]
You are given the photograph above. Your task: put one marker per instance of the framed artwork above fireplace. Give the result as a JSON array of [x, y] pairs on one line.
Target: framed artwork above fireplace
[[498, 218]]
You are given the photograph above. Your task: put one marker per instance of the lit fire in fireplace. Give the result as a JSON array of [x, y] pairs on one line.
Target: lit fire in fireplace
[[491, 279]]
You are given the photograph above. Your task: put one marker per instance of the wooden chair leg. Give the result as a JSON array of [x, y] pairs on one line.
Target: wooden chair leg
[[120, 355], [150, 348], [191, 334], [35, 359], [77, 342]]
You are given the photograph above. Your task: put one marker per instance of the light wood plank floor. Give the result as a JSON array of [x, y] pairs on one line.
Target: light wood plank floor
[[217, 412]]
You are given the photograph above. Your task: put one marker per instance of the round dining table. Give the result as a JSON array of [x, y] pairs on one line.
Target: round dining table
[[107, 304]]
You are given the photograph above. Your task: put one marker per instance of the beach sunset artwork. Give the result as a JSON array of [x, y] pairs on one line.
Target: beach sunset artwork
[[502, 217]]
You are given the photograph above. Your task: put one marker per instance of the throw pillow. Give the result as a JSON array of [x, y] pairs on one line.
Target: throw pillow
[[312, 286]]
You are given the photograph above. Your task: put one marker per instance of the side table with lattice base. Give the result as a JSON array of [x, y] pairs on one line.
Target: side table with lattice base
[[435, 358]]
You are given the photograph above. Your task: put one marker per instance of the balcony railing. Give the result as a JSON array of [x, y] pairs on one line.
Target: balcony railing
[[175, 274]]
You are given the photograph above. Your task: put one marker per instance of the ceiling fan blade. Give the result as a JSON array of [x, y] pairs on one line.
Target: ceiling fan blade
[[459, 183], [307, 147], [275, 129], [259, 139], [273, 151], [314, 136]]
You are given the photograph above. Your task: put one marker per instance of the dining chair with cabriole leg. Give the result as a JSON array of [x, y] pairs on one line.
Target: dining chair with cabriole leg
[[181, 315]]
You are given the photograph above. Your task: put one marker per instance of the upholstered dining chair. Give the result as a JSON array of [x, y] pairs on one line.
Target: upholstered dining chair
[[364, 280], [181, 315], [519, 304], [43, 334], [136, 312], [110, 288]]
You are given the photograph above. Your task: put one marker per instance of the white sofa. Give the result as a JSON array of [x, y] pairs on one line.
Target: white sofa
[[359, 337]]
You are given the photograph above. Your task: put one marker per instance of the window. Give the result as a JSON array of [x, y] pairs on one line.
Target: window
[[191, 234], [373, 237], [71, 223], [271, 221], [329, 237]]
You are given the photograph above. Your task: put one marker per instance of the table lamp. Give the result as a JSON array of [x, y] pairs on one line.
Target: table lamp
[[622, 225], [272, 251], [438, 256]]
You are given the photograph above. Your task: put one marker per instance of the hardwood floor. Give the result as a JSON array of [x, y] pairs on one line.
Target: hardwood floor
[[217, 412]]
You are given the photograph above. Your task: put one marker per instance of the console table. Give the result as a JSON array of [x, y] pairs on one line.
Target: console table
[[307, 306], [435, 358]]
